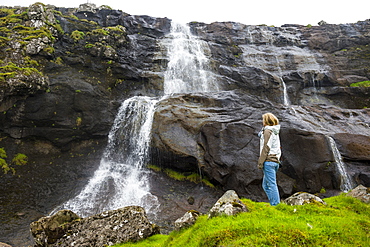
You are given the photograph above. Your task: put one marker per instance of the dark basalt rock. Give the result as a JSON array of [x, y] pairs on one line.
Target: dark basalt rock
[[217, 133]]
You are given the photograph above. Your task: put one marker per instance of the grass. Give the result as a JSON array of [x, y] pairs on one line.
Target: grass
[[344, 221]]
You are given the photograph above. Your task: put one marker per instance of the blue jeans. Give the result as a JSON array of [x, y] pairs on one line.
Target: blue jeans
[[269, 184]]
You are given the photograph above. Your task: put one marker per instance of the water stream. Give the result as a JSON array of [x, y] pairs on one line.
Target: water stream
[[188, 69], [346, 183]]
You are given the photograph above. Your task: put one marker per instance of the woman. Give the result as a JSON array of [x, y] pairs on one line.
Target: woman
[[270, 153]]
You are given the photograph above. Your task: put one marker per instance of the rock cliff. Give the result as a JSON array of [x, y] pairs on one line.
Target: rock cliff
[[64, 73]]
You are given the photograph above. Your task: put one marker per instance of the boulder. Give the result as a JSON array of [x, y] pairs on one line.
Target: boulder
[[107, 228], [228, 204], [187, 220], [301, 198], [48, 230], [360, 192]]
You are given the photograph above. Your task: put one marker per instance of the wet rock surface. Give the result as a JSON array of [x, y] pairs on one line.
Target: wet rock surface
[[217, 133]]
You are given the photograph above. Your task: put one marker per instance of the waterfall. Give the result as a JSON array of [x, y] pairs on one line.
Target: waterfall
[[188, 68], [264, 52], [346, 183], [286, 100], [121, 178]]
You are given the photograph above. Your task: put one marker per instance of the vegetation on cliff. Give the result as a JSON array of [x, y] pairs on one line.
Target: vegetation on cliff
[[344, 221], [361, 84], [18, 160], [189, 176]]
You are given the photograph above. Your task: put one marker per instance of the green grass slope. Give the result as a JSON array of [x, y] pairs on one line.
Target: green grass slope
[[344, 221]]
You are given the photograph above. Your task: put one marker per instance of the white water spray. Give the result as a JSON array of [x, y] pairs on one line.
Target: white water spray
[[346, 183]]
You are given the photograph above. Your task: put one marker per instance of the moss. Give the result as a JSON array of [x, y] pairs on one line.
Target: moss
[[8, 17], [36, 33], [154, 168], [77, 35], [3, 153], [59, 28], [39, 3], [58, 60], [10, 70], [18, 159], [5, 167], [192, 177], [117, 28], [78, 121], [21, 28], [105, 7], [361, 84], [5, 12], [49, 49], [31, 62], [56, 12], [88, 45], [4, 41], [73, 17], [99, 31], [93, 23]]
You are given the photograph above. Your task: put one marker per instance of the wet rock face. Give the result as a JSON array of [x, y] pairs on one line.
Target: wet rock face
[[217, 134], [315, 63]]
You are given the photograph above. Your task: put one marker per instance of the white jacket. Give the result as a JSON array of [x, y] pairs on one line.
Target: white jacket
[[270, 150]]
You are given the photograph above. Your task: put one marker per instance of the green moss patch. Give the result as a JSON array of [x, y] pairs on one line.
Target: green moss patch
[[192, 177], [361, 84]]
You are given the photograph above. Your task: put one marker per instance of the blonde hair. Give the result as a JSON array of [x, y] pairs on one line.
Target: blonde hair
[[269, 119]]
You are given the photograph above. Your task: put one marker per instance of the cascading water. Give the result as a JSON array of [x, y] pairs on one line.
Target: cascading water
[[261, 52], [188, 68], [346, 183], [121, 179]]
